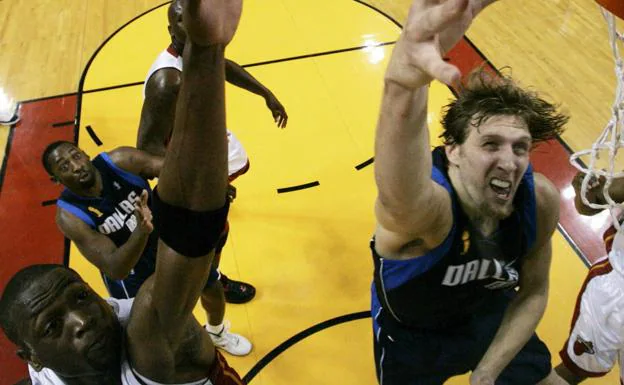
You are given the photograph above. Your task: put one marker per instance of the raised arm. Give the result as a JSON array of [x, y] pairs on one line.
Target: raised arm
[[137, 162], [527, 307], [411, 209], [190, 198], [238, 76], [158, 112], [115, 262]]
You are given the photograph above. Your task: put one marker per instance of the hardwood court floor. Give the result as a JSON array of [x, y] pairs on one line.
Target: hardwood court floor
[[306, 251]]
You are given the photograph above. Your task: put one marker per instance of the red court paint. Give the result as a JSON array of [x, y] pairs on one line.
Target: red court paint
[[28, 233]]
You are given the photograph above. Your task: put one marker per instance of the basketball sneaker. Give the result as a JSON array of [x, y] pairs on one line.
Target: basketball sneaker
[[237, 291], [235, 344]]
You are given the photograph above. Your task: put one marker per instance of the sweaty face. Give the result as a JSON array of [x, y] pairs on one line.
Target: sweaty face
[[72, 167], [67, 327], [490, 164]]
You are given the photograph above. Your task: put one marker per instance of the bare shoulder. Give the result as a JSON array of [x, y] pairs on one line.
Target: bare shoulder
[[546, 194], [547, 205], [162, 82], [65, 220]]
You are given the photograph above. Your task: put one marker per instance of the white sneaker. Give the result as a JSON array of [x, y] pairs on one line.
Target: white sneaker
[[235, 344]]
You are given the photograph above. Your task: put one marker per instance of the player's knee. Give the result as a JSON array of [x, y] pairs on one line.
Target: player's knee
[[190, 233]]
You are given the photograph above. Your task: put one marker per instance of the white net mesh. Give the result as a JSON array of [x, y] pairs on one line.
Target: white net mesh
[[612, 137]]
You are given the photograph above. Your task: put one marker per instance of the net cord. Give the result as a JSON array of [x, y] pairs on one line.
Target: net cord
[[611, 138]]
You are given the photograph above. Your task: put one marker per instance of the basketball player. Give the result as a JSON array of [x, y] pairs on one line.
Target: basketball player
[[162, 85], [105, 211], [70, 335], [596, 340], [161, 89], [461, 228]]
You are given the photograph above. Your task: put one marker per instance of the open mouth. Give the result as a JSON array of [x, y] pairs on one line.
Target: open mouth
[[501, 188]]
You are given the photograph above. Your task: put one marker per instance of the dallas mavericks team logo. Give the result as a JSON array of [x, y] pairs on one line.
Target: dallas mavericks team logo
[[122, 217], [497, 274]]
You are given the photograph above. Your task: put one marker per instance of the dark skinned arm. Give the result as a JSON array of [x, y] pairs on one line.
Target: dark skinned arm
[[158, 112], [238, 76], [115, 262], [137, 162]]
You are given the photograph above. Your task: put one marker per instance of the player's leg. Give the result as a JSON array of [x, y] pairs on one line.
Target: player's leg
[[235, 291], [190, 199], [213, 302]]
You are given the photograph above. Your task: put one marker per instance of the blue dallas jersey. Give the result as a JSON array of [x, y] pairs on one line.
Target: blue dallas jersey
[[112, 214], [444, 286]]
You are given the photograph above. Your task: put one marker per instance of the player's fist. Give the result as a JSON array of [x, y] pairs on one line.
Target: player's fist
[[143, 214]]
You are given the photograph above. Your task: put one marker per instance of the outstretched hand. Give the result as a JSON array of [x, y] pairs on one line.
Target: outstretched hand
[[432, 28], [211, 22], [277, 110]]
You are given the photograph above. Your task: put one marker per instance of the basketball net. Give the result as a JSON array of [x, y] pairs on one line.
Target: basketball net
[[612, 137]]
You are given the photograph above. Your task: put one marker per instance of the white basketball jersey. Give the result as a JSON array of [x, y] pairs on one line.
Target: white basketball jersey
[[169, 58], [596, 341], [129, 376]]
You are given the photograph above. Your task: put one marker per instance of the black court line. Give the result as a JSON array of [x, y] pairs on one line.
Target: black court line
[[7, 151], [573, 245], [299, 187], [51, 202], [63, 124], [93, 135], [393, 20], [264, 361], [133, 84], [482, 55], [67, 248], [83, 76], [365, 163], [49, 97], [257, 64], [311, 55]]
